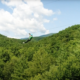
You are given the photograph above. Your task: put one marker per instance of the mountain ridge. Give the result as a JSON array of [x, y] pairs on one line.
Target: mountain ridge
[[36, 38]]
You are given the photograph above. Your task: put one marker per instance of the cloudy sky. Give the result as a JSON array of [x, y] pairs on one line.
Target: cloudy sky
[[38, 17]]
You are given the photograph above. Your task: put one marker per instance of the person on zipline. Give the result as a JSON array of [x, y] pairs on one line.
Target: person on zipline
[[30, 37]]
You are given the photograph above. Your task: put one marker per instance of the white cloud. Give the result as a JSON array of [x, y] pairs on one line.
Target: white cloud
[[36, 15], [55, 19], [33, 30], [20, 32], [26, 16], [47, 32], [58, 12], [47, 21]]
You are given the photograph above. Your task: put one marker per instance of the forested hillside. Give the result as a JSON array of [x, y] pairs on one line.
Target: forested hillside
[[56, 57]]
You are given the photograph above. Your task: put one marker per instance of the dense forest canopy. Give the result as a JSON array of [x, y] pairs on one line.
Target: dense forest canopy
[[56, 57]]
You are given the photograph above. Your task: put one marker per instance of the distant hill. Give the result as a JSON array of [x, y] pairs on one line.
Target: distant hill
[[47, 35], [56, 57], [39, 37]]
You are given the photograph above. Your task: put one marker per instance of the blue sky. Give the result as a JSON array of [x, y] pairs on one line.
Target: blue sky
[[43, 17], [70, 14]]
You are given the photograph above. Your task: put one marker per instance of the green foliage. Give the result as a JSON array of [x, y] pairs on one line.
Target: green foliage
[[56, 57]]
